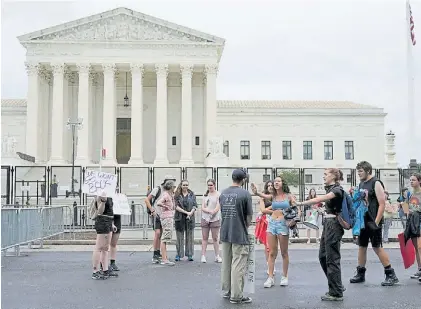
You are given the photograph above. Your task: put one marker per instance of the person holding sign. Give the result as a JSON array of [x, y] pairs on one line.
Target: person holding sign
[[104, 227], [114, 239]]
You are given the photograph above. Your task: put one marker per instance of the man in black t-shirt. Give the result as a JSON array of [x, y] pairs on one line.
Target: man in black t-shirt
[[373, 226]]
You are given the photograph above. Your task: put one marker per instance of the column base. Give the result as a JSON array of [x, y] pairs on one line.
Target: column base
[[109, 162], [161, 162], [57, 161], [136, 161], [186, 162]]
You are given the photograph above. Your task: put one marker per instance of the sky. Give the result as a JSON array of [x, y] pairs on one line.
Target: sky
[[354, 50]]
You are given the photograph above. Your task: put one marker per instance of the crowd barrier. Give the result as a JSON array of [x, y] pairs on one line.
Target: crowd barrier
[[24, 226]]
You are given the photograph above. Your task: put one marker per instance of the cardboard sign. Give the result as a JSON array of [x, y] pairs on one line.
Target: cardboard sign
[[98, 182], [249, 284], [121, 205]]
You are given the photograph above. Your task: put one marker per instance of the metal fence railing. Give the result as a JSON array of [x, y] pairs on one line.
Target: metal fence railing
[[25, 225]]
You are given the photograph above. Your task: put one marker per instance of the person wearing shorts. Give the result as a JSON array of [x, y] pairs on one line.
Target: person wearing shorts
[[166, 206], [114, 240], [211, 220]]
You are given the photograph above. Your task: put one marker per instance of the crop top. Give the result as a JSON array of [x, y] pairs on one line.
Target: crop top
[[280, 205]]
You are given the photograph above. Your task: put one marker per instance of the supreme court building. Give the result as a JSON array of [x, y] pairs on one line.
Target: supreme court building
[[145, 91]]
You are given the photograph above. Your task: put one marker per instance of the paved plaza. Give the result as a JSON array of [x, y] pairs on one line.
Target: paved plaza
[[52, 279]]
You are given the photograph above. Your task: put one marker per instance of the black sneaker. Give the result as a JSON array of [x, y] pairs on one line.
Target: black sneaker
[[244, 300], [328, 297], [110, 273], [97, 276], [391, 278], [226, 295], [417, 275], [113, 267], [155, 259]]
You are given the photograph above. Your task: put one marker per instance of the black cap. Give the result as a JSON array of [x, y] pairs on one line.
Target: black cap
[[239, 174]]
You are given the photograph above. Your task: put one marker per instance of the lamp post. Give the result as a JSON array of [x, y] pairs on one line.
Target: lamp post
[[73, 125]]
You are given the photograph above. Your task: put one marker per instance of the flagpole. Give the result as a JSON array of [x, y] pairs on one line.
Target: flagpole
[[411, 144]]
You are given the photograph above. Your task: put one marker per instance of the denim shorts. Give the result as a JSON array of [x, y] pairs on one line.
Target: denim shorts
[[278, 227]]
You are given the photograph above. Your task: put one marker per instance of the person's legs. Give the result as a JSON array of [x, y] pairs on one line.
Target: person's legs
[[179, 244], [363, 241], [283, 244], [205, 238], [226, 268], [215, 240], [240, 255], [416, 241], [96, 256], [386, 227], [113, 250], [167, 225], [332, 244], [157, 226], [273, 253], [189, 243]]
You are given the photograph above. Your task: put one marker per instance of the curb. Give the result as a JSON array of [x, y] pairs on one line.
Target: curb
[[135, 242]]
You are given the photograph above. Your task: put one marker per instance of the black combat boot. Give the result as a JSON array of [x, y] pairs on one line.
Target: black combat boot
[[359, 276], [391, 278]]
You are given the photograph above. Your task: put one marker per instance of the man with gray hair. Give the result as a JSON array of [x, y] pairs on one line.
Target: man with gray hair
[[150, 202]]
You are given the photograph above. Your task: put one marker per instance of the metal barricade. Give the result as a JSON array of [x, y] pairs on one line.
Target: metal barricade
[[21, 226]]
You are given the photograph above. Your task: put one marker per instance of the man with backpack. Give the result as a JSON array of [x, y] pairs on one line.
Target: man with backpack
[[373, 221], [150, 201]]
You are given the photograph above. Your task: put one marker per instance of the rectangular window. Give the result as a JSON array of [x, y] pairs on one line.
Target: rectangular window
[[349, 150], [266, 150], [174, 141], [348, 178], [227, 148], [308, 178], [197, 141], [245, 150], [286, 150], [308, 150], [328, 149]]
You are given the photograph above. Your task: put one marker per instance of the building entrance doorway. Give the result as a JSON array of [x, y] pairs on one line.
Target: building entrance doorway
[[123, 140]]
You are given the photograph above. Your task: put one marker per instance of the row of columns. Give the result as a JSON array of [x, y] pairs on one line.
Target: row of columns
[[109, 112]]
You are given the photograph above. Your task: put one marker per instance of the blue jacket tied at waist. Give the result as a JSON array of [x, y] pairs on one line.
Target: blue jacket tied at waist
[[360, 208]]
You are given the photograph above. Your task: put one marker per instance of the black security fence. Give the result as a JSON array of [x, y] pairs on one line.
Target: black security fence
[[54, 185]]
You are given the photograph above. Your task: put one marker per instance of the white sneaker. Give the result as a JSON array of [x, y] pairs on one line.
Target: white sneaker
[[203, 259], [270, 282], [284, 281], [218, 259]]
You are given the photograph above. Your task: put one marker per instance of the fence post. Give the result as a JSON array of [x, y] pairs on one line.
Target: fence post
[[74, 213], [132, 216]]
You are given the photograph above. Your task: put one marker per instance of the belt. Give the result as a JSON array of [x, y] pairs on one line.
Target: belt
[[330, 216]]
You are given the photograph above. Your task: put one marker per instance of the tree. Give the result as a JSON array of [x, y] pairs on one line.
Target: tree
[[291, 176]]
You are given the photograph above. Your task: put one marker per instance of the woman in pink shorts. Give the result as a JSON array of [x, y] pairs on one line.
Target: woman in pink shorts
[[211, 220]]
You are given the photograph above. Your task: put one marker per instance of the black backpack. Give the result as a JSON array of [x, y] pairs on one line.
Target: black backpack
[[158, 193]]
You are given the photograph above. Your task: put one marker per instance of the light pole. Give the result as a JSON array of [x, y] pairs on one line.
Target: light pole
[[73, 125]]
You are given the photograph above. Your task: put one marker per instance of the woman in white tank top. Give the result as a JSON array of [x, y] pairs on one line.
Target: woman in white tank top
[[211, 220]]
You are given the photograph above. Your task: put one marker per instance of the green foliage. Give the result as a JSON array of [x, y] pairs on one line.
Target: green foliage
[[291, 176]]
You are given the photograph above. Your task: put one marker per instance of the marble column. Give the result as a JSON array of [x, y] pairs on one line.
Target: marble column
[[211, 109], [84, 139], [136, 157], [161, 155], [186, 157], [32, 112], [109, 115], [57, 122]]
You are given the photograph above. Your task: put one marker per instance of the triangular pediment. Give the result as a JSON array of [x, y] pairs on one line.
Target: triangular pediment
[[120, 25]]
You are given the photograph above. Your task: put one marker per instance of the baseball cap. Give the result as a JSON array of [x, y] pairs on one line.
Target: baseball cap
[[168, 177], [239, 174]]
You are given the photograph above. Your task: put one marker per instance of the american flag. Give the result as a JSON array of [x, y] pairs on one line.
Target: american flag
[[411, 26]]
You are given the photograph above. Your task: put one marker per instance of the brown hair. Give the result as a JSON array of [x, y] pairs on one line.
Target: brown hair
[[339, 176], [417, 175], [178, 190], [214, 183]]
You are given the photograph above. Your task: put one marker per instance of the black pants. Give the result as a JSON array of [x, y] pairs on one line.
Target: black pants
[[330, 255]]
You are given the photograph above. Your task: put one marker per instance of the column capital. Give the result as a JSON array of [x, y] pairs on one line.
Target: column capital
[[72, 77], [83, 68], [186, 70], [109, 68], [161, 70], [211, 69], [58, 68], [137, 68], [94, 78], [32, 68]]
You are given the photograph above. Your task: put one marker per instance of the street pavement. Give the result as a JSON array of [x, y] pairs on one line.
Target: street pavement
[[61, 280]]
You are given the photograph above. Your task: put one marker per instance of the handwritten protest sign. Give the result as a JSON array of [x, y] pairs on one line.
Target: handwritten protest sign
[[97, 182], [121, 205], [249, 285]]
